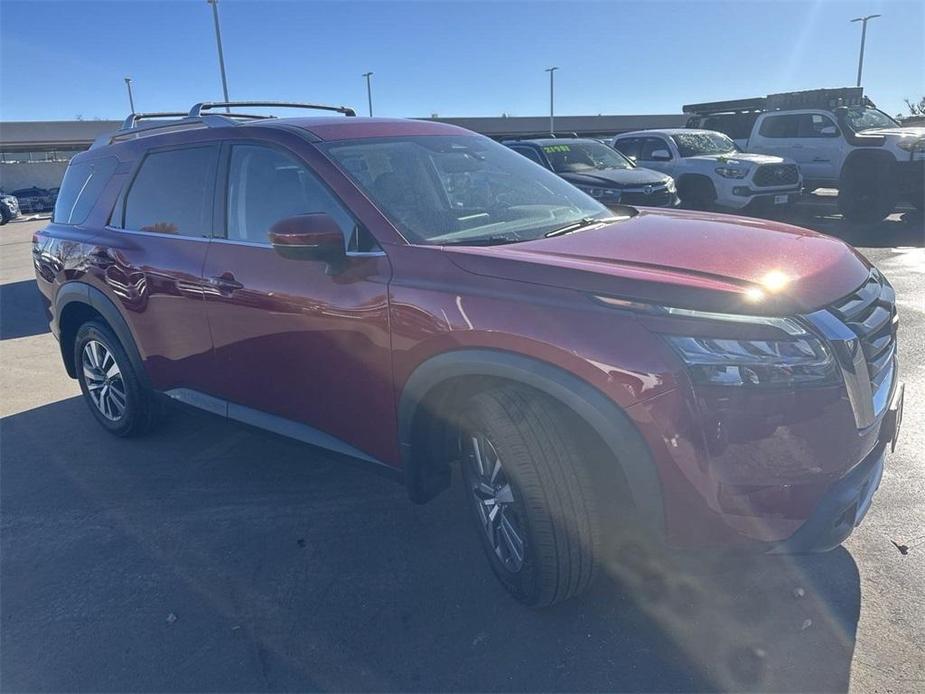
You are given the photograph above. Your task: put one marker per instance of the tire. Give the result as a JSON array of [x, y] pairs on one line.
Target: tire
[[5, 215], [866, 193], [697, 193], [110, 384], [549, 500]]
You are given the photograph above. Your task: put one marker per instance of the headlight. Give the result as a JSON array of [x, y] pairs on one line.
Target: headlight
[[731, 172], [602, 193], [912, 145], [728, 362], [795, 358]]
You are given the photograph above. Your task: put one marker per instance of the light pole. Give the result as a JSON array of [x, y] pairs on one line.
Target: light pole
[[552, 129], [131, 100], [221, 54], [369, 92], [863, 21]]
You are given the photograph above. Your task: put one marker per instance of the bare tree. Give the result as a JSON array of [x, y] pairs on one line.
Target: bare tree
[[916, 108]]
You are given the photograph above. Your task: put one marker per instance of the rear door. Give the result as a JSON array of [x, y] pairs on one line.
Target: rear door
[[297, 344], [149, 259]]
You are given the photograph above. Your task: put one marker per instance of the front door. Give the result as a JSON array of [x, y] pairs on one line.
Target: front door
[[297, 343]]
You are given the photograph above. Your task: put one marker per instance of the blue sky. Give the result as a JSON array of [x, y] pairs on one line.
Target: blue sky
[[60, 59]]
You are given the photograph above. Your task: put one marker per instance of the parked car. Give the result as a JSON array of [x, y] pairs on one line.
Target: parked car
[[709, 169], [598, 377], [33, 199], [837, 137], [9, 208], [600, 172]]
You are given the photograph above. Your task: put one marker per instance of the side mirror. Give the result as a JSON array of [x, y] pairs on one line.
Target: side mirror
[[661, 155], [829, 131], [309, 237]]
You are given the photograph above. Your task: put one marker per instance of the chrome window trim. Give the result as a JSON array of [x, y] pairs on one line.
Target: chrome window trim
[[158, 234]]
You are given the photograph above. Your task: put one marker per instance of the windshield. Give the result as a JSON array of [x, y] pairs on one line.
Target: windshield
[[573, 157], [858, 119], [693, 144], [462, 189]]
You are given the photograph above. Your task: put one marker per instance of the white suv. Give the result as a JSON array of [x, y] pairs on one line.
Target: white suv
[[709, 169]]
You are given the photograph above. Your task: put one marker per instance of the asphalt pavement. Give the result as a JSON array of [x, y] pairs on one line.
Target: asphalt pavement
[[213, 557]]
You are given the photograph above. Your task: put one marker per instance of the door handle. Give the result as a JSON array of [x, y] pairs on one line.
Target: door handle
[[225, 282], [797, 146]]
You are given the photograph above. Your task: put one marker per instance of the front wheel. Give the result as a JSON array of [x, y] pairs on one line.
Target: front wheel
[[867, 195], [530, 495]]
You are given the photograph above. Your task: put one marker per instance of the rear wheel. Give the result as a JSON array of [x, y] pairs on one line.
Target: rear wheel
[[110, 384], [530, 496]]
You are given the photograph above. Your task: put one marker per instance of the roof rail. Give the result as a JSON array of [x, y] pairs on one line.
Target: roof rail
[[133, 118], [538, 136], [197, 109]]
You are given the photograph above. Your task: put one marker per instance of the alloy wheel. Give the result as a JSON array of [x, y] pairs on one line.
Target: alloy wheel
[[104, 380], [493, 497]]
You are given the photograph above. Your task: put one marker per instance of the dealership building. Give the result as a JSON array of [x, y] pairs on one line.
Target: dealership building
[[35, 153]]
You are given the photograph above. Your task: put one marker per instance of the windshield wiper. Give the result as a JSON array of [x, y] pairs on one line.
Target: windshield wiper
[[580, 224], [483, 241]]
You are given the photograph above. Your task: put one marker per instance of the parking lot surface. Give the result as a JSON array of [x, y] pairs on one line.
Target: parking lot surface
[[210, 557]]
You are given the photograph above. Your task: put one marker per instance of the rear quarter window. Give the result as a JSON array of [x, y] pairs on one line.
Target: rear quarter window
[[83, 182]]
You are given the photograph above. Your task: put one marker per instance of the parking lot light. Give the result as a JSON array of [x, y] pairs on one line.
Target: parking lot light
[[552, 129], [863, 21], [221, 54], [131, 100], [369, 92]]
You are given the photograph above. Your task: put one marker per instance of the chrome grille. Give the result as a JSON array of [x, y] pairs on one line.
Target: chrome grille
[[657, 197], [870, 313], [770, 175]]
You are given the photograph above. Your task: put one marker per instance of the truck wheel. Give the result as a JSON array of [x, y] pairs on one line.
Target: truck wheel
[[5, 215], [110, 386], [530, 495], [867, 193], [697, 193]]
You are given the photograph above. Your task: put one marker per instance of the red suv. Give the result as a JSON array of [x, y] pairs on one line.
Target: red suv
[[420, 297]]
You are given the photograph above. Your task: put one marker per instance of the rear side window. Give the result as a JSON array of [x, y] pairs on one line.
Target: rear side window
[[780, 126], [530, 153], [82, 185], [172, 192]]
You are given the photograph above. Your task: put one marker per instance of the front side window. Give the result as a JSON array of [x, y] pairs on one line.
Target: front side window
[[650, 145], [813, 125], [266, 186], [172, 192], [629, 147], [694, 144], [80, 188], [577, 157], [462, 189]]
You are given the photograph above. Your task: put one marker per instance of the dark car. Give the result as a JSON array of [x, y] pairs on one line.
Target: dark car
[[422, 298], [600, 171], [33, 199], [9, 207]]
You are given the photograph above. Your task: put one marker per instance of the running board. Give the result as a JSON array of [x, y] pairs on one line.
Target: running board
[[270, 422]]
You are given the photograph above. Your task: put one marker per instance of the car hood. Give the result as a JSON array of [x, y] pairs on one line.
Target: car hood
[[756, 159], [691, 260], [616, 178], [897, 131]]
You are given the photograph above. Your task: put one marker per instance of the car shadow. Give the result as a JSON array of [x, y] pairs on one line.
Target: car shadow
[[904, 228], [209, 557], [21, 312]]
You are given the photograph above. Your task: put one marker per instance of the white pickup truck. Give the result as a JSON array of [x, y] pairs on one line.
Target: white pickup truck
[[838, 138], [710, 171]]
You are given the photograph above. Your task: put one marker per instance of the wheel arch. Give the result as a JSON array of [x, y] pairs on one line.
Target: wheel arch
[[693, 178], [78, 302], [443, 381], [860, 158]]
